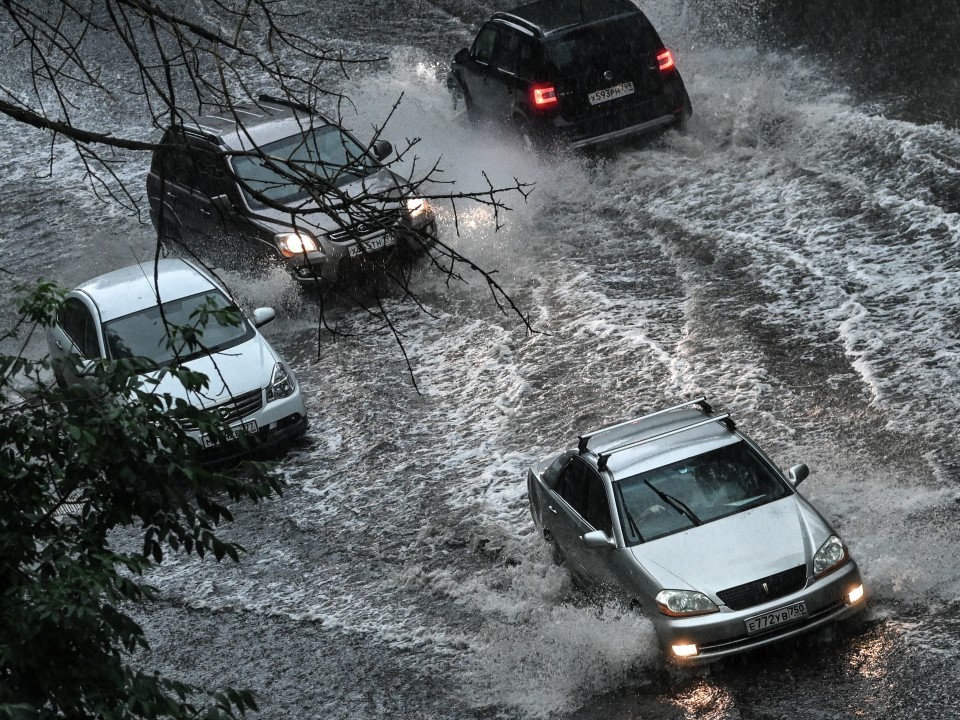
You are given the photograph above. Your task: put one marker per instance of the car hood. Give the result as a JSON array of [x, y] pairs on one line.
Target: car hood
[[383, 185], [737, 549], [237, 370]]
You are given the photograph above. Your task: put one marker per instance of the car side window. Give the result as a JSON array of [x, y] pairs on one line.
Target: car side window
[[583, 489], [485, 44], [526, 60], [80, 327], [597, 511], [213, 178], [194, 166], [508, 52]]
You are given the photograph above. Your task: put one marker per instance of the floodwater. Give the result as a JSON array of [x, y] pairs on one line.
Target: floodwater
[[793, 256]]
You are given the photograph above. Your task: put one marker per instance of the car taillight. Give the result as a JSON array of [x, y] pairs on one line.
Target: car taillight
[[543, 96], [665, 60]]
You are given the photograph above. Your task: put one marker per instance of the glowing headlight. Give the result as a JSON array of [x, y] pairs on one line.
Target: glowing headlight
[[295, 243], [684, 603], [831, 555], [685, 651], [281, 384], [417, 206], [855, 595]]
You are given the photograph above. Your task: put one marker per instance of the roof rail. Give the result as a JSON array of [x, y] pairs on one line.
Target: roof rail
[[700, 401], [294, 104], [725, 419], [518, 21]]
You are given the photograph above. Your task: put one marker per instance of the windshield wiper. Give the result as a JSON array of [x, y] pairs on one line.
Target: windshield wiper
[[676, 504], [626, 511]]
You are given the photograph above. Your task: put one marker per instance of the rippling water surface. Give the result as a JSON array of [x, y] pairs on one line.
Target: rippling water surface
[[793, 256]]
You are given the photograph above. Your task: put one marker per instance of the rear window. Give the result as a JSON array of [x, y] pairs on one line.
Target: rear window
[[627, 40]]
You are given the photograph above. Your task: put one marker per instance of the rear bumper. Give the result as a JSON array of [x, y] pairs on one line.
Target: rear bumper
[[625, 133]]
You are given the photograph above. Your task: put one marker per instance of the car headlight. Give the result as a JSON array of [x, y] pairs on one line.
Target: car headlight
[[831, 555], [417, 206], [295, 243], [684, 603], [281, 384]]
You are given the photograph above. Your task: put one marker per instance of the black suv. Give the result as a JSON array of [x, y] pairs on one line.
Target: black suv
[[274, 179], [587, 72]]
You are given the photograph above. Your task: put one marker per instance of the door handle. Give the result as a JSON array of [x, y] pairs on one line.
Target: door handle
[[58, 344], [552, 509]]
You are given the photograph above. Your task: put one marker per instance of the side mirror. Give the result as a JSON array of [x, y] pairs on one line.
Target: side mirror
[[597, 539], [797, 474], [381, 149], [261, 316], [462, 55]]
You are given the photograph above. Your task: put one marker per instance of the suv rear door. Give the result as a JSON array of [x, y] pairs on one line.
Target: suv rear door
[[480, 75], [605, 56]]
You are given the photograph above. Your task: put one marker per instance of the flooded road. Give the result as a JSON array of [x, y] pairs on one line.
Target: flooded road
[[793, 256]]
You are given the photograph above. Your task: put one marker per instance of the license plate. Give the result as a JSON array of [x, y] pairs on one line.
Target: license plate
[[236, 431], [788, 614], [610, 93], [372, 245]]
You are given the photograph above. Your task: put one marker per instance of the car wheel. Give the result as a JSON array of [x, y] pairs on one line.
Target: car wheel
[[525, 134], [683, 119], [461, 104], [556, 554]]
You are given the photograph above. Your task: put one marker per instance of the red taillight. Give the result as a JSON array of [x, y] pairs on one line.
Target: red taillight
[[543, 96], [665, 60]]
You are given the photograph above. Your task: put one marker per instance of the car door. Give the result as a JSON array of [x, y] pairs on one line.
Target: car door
[[583, 506], [479, 75], [504, 84], [77, 333]]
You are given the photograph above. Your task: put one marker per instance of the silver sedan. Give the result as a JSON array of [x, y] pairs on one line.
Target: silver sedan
[[683, 517]]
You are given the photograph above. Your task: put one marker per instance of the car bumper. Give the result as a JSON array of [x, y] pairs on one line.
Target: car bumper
[[722, 634], [624, 133], [278, 424], [337, 257]]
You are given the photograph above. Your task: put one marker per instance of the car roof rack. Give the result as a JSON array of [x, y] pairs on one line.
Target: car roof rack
[[700, 402], [293, 104], [725, 419]]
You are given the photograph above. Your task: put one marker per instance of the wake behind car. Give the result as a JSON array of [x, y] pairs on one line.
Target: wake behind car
[[274, 180], [584, 73], [118, 315], [682, 516]]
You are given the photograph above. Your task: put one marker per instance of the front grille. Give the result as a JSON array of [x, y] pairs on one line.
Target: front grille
[[381, 223], [764, 589], [234, 409]]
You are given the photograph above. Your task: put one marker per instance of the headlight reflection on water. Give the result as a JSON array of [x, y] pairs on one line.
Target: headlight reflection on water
[[704, 700]]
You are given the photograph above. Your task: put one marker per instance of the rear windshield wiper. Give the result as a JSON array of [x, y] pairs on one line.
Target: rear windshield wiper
[[676, 504]]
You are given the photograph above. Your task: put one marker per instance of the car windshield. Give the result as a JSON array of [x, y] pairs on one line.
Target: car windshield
[[322, 155], [622, 42], [145, 334], [695, 491]]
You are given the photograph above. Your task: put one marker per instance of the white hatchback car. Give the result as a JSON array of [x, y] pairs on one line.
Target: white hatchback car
[[118, 315]]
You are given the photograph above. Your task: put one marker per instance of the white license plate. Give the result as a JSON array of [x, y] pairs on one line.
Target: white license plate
[[788, 614], [372, 245], [610, 93], [236, 431]]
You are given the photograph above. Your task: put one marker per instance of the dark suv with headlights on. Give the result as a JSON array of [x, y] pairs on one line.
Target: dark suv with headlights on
[[587, 73], [276, 180]]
